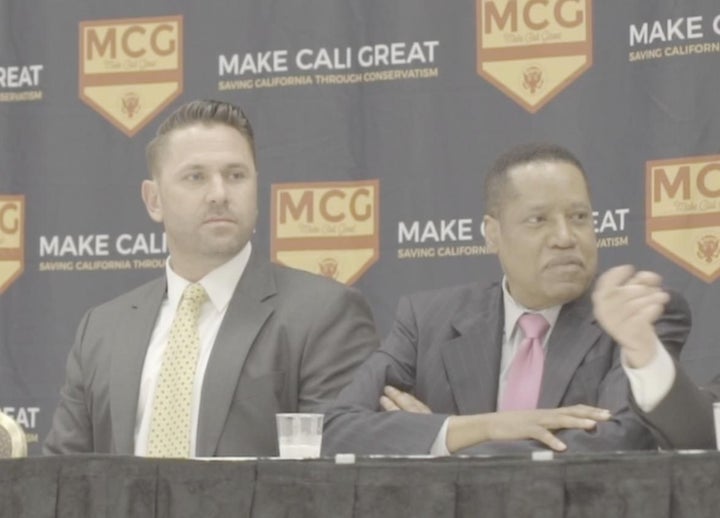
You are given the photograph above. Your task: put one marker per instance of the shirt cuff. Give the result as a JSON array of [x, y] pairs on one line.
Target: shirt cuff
[[650, 384], [439, 447]]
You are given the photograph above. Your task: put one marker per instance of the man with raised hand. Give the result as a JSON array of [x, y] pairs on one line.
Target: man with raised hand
[[519, 359]]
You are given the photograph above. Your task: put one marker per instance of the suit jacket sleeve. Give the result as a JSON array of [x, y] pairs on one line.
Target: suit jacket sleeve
[[684, 418], [355, 424], [625, 430], [71, 429], [340, 339]]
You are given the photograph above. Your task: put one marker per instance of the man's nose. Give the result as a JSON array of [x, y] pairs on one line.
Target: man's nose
[[216, 189], [562, 234]]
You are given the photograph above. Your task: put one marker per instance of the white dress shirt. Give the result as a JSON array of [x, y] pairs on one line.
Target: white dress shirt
[[510, 343], [220, 285], [650, 384]]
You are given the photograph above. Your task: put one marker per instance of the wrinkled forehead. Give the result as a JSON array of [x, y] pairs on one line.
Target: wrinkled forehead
[[203, 138], [546, 181]]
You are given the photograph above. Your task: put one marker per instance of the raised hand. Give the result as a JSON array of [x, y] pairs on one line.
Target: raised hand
[[626, 304]]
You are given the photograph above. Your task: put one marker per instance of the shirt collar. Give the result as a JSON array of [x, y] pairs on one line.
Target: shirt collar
[[219, 283], [514, 310]]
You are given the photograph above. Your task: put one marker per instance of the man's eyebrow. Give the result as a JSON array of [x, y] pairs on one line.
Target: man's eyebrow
[[192, 167], [539, 207], [536, 207], [237, 165], [580, 205]]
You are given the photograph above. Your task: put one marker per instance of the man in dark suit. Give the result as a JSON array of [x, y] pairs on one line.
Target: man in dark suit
[[679, 413], [198, 362], [454, 352]]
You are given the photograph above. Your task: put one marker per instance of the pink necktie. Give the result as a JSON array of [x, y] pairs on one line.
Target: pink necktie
[[522, 387]]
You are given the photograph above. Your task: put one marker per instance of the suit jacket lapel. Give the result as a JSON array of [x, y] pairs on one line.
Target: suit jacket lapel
[[575, 332], [132, 337], [245, 316], [472, 358]]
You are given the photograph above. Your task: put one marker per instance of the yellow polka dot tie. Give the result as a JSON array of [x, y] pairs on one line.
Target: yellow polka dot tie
[[170, 422]]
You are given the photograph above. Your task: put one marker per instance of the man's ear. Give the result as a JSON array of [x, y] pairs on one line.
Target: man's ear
[[150, 196], [491, 231]]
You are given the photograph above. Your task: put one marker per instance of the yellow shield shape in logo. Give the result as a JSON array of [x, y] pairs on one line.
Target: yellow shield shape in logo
[[12, 239], [532, 49], [131, 69], [327, 228], [683, 212]]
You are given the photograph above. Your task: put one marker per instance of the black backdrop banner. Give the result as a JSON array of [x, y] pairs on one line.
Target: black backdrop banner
[[375, 122]]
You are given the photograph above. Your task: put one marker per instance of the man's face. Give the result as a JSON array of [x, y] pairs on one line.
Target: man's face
[[205, 193], [544, 234]]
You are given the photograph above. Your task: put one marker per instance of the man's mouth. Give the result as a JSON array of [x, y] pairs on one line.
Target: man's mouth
[[568, 262]]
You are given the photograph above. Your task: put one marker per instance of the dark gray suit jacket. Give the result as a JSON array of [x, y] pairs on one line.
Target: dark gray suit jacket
[[684, 418], [289, 342], [445, 348]]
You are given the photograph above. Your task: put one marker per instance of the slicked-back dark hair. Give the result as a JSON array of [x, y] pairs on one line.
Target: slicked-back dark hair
[[496, 179], [207, 112]]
